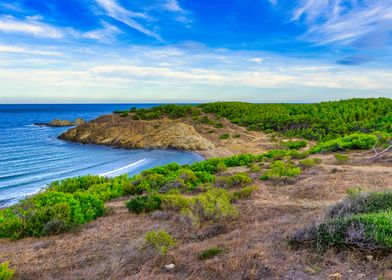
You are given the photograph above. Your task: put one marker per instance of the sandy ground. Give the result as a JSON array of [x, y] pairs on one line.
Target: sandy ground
[[112, 247]]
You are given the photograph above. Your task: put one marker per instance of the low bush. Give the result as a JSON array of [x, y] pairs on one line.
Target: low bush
[[144, 204], [254, 168], [351, 142], [309, 162], [243, 193], [49, 213], [5, 272], [280, 169], [237, 180], [213, 205], [236, 136], [210, 253], [295, 145], [160, 241], [362, 220], [224, 136], [341, 158]]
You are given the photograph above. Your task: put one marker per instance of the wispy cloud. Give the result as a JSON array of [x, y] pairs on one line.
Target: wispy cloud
[[30, 26], [119, 13], [172, 5], [106, 33], [24, 50], [346, 22]]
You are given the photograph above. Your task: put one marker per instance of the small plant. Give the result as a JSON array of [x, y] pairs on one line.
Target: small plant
[[352, 192], [243, 193], [237, 180], [124, 115], [218, 125], [160, 241], [221, 167], [5, 272], [341, 158], [145, 203], [295, 145], [224, 136], [254, 168], [309, 162], [236, 136], [280, 169], [210, 253]]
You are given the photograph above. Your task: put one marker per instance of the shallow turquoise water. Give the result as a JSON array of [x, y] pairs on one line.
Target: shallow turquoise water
[[32, 156]]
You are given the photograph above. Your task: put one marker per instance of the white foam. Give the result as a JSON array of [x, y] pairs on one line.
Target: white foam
[[122, 168]]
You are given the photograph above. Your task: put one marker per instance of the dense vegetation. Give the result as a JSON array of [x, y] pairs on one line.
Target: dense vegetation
[[362, 220], [319, 121]]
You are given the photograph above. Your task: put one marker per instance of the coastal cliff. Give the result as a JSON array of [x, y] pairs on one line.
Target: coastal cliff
[[212, 138], [112, 130]]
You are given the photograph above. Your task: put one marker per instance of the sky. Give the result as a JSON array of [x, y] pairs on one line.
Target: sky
[[73, 51]]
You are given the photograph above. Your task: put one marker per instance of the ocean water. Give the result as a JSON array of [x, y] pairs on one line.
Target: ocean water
[[32, 156]]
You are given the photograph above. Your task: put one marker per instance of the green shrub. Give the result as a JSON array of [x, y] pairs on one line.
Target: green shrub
[[219, 125], [362, 220], [176, 202], [351, 142], [341, 158], [124, 114], [144, 204], [210, 253], [236, 136], [280, 169], [243, 193], [295, 145], [5, 272], [224, 136], [352, 192], [221, 167], [75, 184], [237, 180], [254, 168], [160, 241], [214, 205], [309, 162]]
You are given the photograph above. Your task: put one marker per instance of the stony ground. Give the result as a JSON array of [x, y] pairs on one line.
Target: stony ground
[[112, 247]]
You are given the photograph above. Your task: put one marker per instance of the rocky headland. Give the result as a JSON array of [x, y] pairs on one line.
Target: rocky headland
[[166, 133]]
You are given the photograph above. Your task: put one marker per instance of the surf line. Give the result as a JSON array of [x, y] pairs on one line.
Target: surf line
[[122, 168]]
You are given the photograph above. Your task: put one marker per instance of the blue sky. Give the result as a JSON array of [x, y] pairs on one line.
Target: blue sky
[[194, 50]]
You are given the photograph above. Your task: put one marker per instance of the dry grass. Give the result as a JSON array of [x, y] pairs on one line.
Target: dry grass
[[255, 244]]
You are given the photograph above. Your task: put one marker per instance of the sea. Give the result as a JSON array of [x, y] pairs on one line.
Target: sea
[[31, 156]]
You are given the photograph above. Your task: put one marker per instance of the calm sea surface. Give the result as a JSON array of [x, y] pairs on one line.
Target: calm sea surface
[[32, 156]]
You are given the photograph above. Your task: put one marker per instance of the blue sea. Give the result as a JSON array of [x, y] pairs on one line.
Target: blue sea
[[32, 156]]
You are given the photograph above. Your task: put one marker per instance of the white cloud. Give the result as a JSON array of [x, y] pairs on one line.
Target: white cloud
[[173, 6], [106, 33], [29, 51], [256, 60], [30, 26], [346, 22], [114, 10]]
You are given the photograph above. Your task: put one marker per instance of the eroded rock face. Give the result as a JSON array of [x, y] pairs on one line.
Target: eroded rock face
[[113, 130]]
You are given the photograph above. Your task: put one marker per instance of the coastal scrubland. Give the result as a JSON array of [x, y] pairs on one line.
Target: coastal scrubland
[[289, 208]]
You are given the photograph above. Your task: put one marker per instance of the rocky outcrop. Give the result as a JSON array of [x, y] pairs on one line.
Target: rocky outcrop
[[61, 123], [113, 130]]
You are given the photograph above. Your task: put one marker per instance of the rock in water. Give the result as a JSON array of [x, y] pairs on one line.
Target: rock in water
[[61, 123]]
